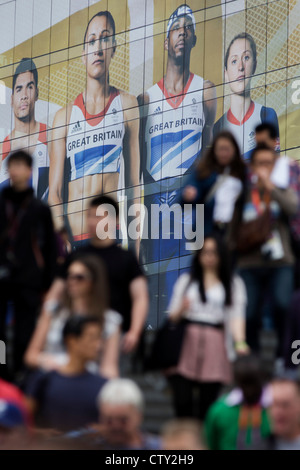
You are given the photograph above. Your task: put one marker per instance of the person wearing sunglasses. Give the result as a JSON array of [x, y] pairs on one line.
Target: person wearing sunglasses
[[85, 294], [127, 284]]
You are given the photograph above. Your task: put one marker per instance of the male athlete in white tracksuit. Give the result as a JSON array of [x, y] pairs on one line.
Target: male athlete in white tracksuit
[[177, 116]]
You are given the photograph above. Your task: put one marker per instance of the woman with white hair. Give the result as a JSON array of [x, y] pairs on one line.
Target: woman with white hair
[[121, 405]]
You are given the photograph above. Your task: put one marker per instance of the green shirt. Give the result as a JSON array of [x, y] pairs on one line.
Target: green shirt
[[222, 426]]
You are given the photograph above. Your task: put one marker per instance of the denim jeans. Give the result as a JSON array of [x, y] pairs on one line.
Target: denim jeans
[[279, 283]]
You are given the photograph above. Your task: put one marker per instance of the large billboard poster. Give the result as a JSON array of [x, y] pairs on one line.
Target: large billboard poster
[[123, 96]]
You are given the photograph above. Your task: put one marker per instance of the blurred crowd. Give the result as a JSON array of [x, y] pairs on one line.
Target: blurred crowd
[[73, 322]]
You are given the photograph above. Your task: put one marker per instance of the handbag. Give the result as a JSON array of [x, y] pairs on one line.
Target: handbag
[[254, 233], [167, 344]]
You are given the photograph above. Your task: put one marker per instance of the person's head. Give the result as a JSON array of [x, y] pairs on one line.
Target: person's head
[[285, 408], [82, 337], [224, 152], [213, 256], [102, 217], [263, 157], [19, 165], [182, 434], [99, 44], [240, 63], [87, 279], [11, 417], [266, 133], [121, 405], [249, 377], [25, 90], [181, 37]]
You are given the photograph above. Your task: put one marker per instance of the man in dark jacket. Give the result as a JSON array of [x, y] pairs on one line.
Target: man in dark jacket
[[27, 258]]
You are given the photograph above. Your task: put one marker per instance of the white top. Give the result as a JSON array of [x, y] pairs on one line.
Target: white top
[[173, 131], [40, 161], [280, 175], [236, 397], [54, 342], [213, 310], [283, 444], [95, 143], [243, 131], [225, 199]]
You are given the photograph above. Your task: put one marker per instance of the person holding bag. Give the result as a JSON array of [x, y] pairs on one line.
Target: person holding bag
[[213, 304], [217, 181], [265, 261]]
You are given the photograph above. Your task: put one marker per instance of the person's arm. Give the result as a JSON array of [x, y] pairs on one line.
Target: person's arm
[[49, 143], [56, 167], [139, 311], [210, 110], [143, 102], [237, 316], [238, 328], [35, 397], [55, 293], [131, 154], [191, 192], [109, 365], [179, 303], [34, 356], [34, 392], [287, 200], [177, 314]]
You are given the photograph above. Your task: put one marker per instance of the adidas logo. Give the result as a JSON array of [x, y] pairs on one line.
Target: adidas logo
[[76, 128], [158, 110]]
